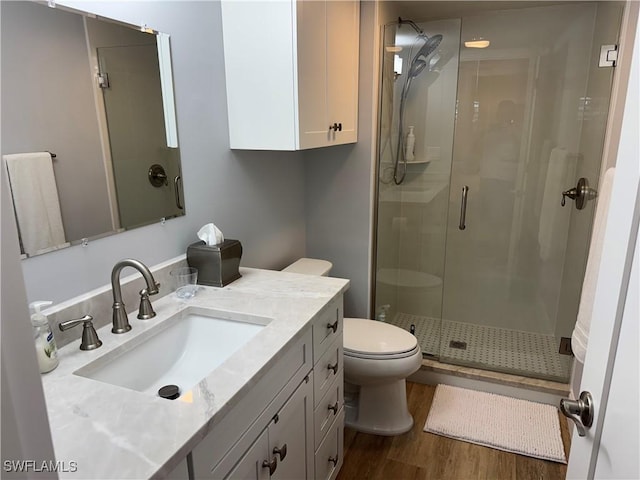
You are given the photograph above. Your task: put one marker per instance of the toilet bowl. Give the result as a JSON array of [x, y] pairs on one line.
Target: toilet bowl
[[378, 357]]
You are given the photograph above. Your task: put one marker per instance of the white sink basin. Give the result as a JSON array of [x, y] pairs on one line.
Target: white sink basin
[[181, 351]]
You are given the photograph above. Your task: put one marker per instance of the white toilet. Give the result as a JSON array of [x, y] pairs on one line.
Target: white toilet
[[378, 357]]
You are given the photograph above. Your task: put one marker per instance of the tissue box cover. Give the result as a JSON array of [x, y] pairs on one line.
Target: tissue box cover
[[218, 265]]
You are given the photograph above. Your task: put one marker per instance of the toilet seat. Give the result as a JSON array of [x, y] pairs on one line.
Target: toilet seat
[[389, 356], [374, 340]]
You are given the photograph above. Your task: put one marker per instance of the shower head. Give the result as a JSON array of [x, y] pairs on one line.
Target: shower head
[[430, 44], [419, 62]]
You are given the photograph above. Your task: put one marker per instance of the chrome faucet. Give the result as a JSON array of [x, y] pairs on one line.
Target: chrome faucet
[[120, 320]]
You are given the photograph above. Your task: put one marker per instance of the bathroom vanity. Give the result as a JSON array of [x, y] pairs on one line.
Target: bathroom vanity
[[272, 408]]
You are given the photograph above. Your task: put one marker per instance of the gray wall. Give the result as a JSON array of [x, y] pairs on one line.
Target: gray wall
[[256, 197], [48, 104]]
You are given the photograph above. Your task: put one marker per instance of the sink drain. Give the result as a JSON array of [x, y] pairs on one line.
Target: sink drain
[[170, 392]]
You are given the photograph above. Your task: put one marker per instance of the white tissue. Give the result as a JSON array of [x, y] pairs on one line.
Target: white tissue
[[210, 234]]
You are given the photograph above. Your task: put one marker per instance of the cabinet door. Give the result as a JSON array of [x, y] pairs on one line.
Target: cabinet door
[[328, 39], [292, 431], [312, 78], [343, 38], [250, 466]]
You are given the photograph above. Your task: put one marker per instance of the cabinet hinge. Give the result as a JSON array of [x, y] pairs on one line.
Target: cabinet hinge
[[608, 56], [103, 80]]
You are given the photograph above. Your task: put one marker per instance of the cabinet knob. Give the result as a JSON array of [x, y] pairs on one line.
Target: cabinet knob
[[282, 452], [333, 326], [334, 368], [336, 127], [271, 465], [334, 460], [334, 407]]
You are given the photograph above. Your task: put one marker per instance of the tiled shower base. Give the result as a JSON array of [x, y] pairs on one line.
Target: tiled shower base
[[499, 349]]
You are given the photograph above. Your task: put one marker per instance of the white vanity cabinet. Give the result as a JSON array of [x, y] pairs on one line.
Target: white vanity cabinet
[[291, 73], [290, 424]]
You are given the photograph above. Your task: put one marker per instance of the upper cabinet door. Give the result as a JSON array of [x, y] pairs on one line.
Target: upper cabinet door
[[343, 35], [291, 72], [312, 74], [328, 41]]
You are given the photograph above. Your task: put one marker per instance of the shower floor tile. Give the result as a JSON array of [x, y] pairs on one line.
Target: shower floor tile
[[499, 349]]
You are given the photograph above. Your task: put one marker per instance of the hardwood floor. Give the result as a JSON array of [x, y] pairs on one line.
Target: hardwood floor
[[418, 455]]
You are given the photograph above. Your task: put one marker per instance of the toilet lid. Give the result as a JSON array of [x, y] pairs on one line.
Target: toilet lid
[[372, 337]]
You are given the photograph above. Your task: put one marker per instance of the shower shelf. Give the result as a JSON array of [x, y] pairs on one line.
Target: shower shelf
[[407, 278], [418, 162], [423, 194]]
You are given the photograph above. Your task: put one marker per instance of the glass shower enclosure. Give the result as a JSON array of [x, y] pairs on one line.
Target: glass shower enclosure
[[474, 250]]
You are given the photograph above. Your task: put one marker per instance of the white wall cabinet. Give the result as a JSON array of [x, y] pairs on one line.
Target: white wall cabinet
[[291, 73]]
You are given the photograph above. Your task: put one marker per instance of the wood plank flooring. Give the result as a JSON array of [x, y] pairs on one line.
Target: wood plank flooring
[[418, 455]]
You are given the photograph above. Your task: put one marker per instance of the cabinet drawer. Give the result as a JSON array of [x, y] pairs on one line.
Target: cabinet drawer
[[328, 408], [326, 328], [327, 369], [330, 452]]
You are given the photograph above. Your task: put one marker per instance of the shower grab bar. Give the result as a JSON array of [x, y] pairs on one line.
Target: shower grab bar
[[176, 191], [463, 208]]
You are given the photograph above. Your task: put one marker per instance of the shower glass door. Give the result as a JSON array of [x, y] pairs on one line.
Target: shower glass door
[[412, 216], [530, 120]]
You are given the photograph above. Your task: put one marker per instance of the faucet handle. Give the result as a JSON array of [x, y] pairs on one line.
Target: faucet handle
[[90, 340], [145, 311]]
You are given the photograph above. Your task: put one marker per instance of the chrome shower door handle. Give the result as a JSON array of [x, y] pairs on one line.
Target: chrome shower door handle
[[176, 188], [463, 208], [581, 193], [580, 411]]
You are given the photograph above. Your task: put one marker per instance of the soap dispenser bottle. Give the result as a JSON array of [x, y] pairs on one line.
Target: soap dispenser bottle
[[46, 350], [410, 145]]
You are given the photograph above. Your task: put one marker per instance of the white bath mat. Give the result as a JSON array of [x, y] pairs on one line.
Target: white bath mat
[[495, 421]]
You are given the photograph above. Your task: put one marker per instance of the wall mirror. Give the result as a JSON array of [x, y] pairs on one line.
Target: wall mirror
[[97, 95]]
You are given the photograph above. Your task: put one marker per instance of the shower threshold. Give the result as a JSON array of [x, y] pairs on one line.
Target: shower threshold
[[489, 348]]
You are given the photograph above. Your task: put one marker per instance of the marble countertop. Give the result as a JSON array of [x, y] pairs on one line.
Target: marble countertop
[[114, 432]]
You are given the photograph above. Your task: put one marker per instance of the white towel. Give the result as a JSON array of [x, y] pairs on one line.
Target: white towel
[[580, 336], [36, 202], [554, 220]]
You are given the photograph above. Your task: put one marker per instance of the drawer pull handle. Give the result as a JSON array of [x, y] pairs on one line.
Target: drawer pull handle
[[334, 460], [271, 465], [280, 451], [334, 408], [334, 368], [333, 326]]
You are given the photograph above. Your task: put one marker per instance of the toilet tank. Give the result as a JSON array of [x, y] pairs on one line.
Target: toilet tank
[[310, 266]]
